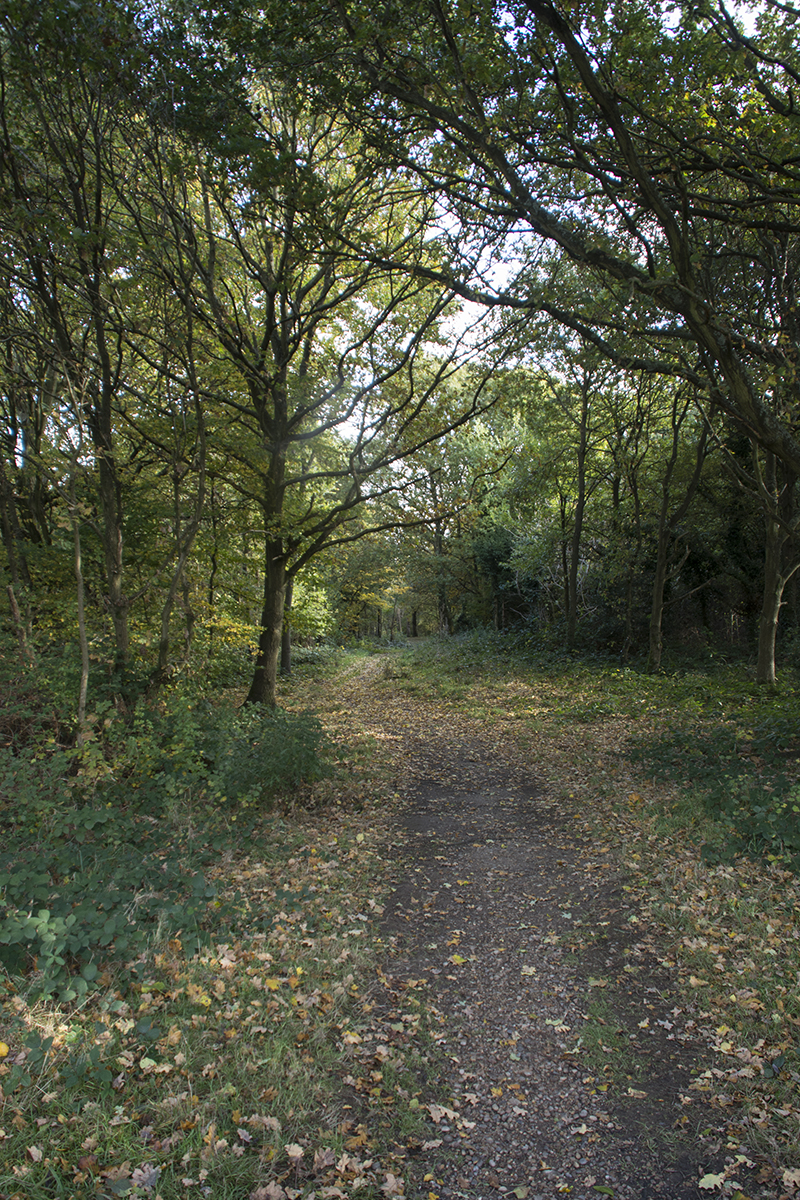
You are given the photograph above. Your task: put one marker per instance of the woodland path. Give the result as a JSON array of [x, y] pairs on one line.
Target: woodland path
[[567, 1056]]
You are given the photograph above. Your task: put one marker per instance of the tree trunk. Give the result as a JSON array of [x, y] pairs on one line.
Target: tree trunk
[[83, 687], [263, 689], [580, 510], [667, 524], [777, 486], [564, 551], [286, 630], [25, 652], [774, 583], [12, 534], [211, 586], [657, 605]]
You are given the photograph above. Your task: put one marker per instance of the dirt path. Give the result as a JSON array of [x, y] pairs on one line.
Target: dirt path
[[568, 1058]]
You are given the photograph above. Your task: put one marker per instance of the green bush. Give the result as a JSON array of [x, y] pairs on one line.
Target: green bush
[[258, 754]]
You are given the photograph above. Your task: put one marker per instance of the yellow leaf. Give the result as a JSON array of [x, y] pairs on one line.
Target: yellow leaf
[[3, 1050], [497, 1091], [272, 984]]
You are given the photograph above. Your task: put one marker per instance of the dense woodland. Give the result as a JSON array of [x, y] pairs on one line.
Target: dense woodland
[[323, 321], [330, 325]]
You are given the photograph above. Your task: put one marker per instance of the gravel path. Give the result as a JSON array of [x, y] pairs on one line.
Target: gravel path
[[567, 1058]]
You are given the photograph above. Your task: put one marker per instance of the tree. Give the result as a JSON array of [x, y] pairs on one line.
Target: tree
[[654, 152], [329, 364]]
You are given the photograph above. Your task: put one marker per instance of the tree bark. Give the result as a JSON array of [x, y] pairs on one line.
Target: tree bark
[[286, 630], [666, 526], [263, 689], [580, 511], [777, 486], [774, 583], [83, 687]]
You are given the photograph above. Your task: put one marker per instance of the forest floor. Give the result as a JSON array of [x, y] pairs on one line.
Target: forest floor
[[574, 1056], [484, 957]]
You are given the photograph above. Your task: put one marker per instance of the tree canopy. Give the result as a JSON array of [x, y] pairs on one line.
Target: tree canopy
[[261, 263]]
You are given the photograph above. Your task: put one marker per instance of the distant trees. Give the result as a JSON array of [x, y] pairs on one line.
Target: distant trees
[[236, 247]]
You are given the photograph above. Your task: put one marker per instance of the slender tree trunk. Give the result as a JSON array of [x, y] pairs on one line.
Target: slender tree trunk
[[25, 652], [774, 583], [83, 640], [562, 504], [184, 542], [263, 689], [12, 534], [667, 524], [777, 489], [445, 616], [286, 630], [657, 603], [577, 526]]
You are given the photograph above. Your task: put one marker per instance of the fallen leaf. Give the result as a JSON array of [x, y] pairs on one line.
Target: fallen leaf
[[272, 1191], [393, 1186], [146, 1177], [438, 1111], [710, 1182]]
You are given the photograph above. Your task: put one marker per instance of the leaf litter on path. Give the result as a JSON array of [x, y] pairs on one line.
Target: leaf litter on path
[[570, 1059]]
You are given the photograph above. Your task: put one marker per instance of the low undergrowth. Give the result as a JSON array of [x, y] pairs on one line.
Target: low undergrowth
[[190, 994], [112, 845]]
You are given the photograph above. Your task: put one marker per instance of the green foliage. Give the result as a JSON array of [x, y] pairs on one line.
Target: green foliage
[[109, 847], [732, 747], [258, 753]]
